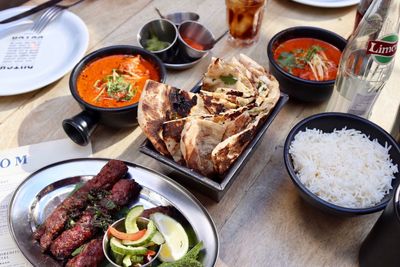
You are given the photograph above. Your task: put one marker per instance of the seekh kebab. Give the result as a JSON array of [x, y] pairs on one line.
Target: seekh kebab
[[113, 171], [94, 218]]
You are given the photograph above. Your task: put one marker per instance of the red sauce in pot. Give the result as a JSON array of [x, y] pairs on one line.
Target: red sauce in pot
[[308, 58], [115, 81]]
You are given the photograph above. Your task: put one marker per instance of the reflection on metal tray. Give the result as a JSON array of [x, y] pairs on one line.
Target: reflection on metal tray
[[191, 179], [183, 66], [42, 191]]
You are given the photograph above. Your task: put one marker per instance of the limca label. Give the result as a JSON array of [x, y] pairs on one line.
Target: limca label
[[384, 49]]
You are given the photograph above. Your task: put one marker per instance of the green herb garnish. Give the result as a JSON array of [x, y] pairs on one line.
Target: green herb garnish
[[189, 260], [116, 87], [101, 219], [287, 61], [77, 251], [228, 80], [311, 52], [70, 223], [155, 44], [108, 204], [76, 188], [298, 58]]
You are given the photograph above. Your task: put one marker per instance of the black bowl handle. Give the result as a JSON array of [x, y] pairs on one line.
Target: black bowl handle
[[80, 127]]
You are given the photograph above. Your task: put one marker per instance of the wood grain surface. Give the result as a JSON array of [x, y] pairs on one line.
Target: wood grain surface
[[262, 221]]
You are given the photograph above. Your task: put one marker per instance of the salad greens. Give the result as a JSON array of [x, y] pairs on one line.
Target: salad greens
[[189, 260]]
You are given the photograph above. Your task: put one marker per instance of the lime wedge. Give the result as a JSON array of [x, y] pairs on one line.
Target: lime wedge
[[131, 217], [176, 240]]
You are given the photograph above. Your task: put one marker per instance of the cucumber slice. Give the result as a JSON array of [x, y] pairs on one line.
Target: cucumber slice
[[117, 257], [137, 259], [126, 262], [118, 247], [150, 232], [158, 238], [131, 217]]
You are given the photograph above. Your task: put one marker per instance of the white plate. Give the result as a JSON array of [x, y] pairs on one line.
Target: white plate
[[29, 61], [328, 3]]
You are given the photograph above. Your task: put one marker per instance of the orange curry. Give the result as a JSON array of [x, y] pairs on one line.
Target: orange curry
[[308, 58], [115, 81]]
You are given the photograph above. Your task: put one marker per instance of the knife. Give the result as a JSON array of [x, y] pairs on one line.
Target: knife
[[31, 11]]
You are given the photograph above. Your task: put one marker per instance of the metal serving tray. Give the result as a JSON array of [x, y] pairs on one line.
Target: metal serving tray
[[213, 189], [43, 190]]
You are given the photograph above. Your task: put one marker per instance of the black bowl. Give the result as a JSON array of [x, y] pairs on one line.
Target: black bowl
[[327, 122], [80, 127], [301, 89]]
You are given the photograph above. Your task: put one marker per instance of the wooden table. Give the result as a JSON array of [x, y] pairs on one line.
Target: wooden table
[[261, 220]]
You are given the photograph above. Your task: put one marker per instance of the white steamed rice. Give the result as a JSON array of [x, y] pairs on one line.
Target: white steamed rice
[[343, 167]]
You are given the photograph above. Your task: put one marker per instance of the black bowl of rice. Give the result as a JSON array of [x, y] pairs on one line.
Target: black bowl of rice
[[342, 163]]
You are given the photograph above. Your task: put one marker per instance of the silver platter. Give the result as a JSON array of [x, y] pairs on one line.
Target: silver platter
[[43, 190], [183, 66]]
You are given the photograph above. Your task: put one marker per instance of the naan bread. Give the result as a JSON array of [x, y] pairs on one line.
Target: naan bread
[[226, 152], [199, 138], [152, 112], [237, 125], [221, 74], [171, 135], [208, 131], [160, 103]]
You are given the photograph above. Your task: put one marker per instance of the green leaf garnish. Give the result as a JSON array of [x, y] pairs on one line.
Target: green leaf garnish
[[287, 60], [77, 251], [312, 51], [228, 80], [115, 86], [190, 258], [76, 188]]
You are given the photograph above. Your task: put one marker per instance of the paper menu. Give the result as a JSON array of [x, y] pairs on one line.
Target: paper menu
[[15, 165]]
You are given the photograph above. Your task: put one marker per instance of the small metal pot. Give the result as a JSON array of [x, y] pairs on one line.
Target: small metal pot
[[120, 226], [165, 31], [178, 17], [80, 127], [199, 34]]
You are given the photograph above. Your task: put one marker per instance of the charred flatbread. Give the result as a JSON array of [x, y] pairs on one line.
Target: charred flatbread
[[208, 131], [199, 138], [160, 103], [226, 152]]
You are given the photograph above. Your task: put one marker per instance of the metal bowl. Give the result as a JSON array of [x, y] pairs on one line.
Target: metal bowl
[[165, 31], [120, 226], [178, 17], [199, 34]]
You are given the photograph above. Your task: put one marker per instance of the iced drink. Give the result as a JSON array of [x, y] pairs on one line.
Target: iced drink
[[244, 19]]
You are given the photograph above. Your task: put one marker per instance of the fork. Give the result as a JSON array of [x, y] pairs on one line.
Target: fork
[[50, 15]]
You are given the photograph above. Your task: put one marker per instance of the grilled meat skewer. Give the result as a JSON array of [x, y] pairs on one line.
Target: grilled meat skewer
[[91, 255], [113, 171], [88, 225]]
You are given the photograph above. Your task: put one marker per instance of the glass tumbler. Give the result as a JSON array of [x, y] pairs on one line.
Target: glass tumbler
[[244, 20]]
